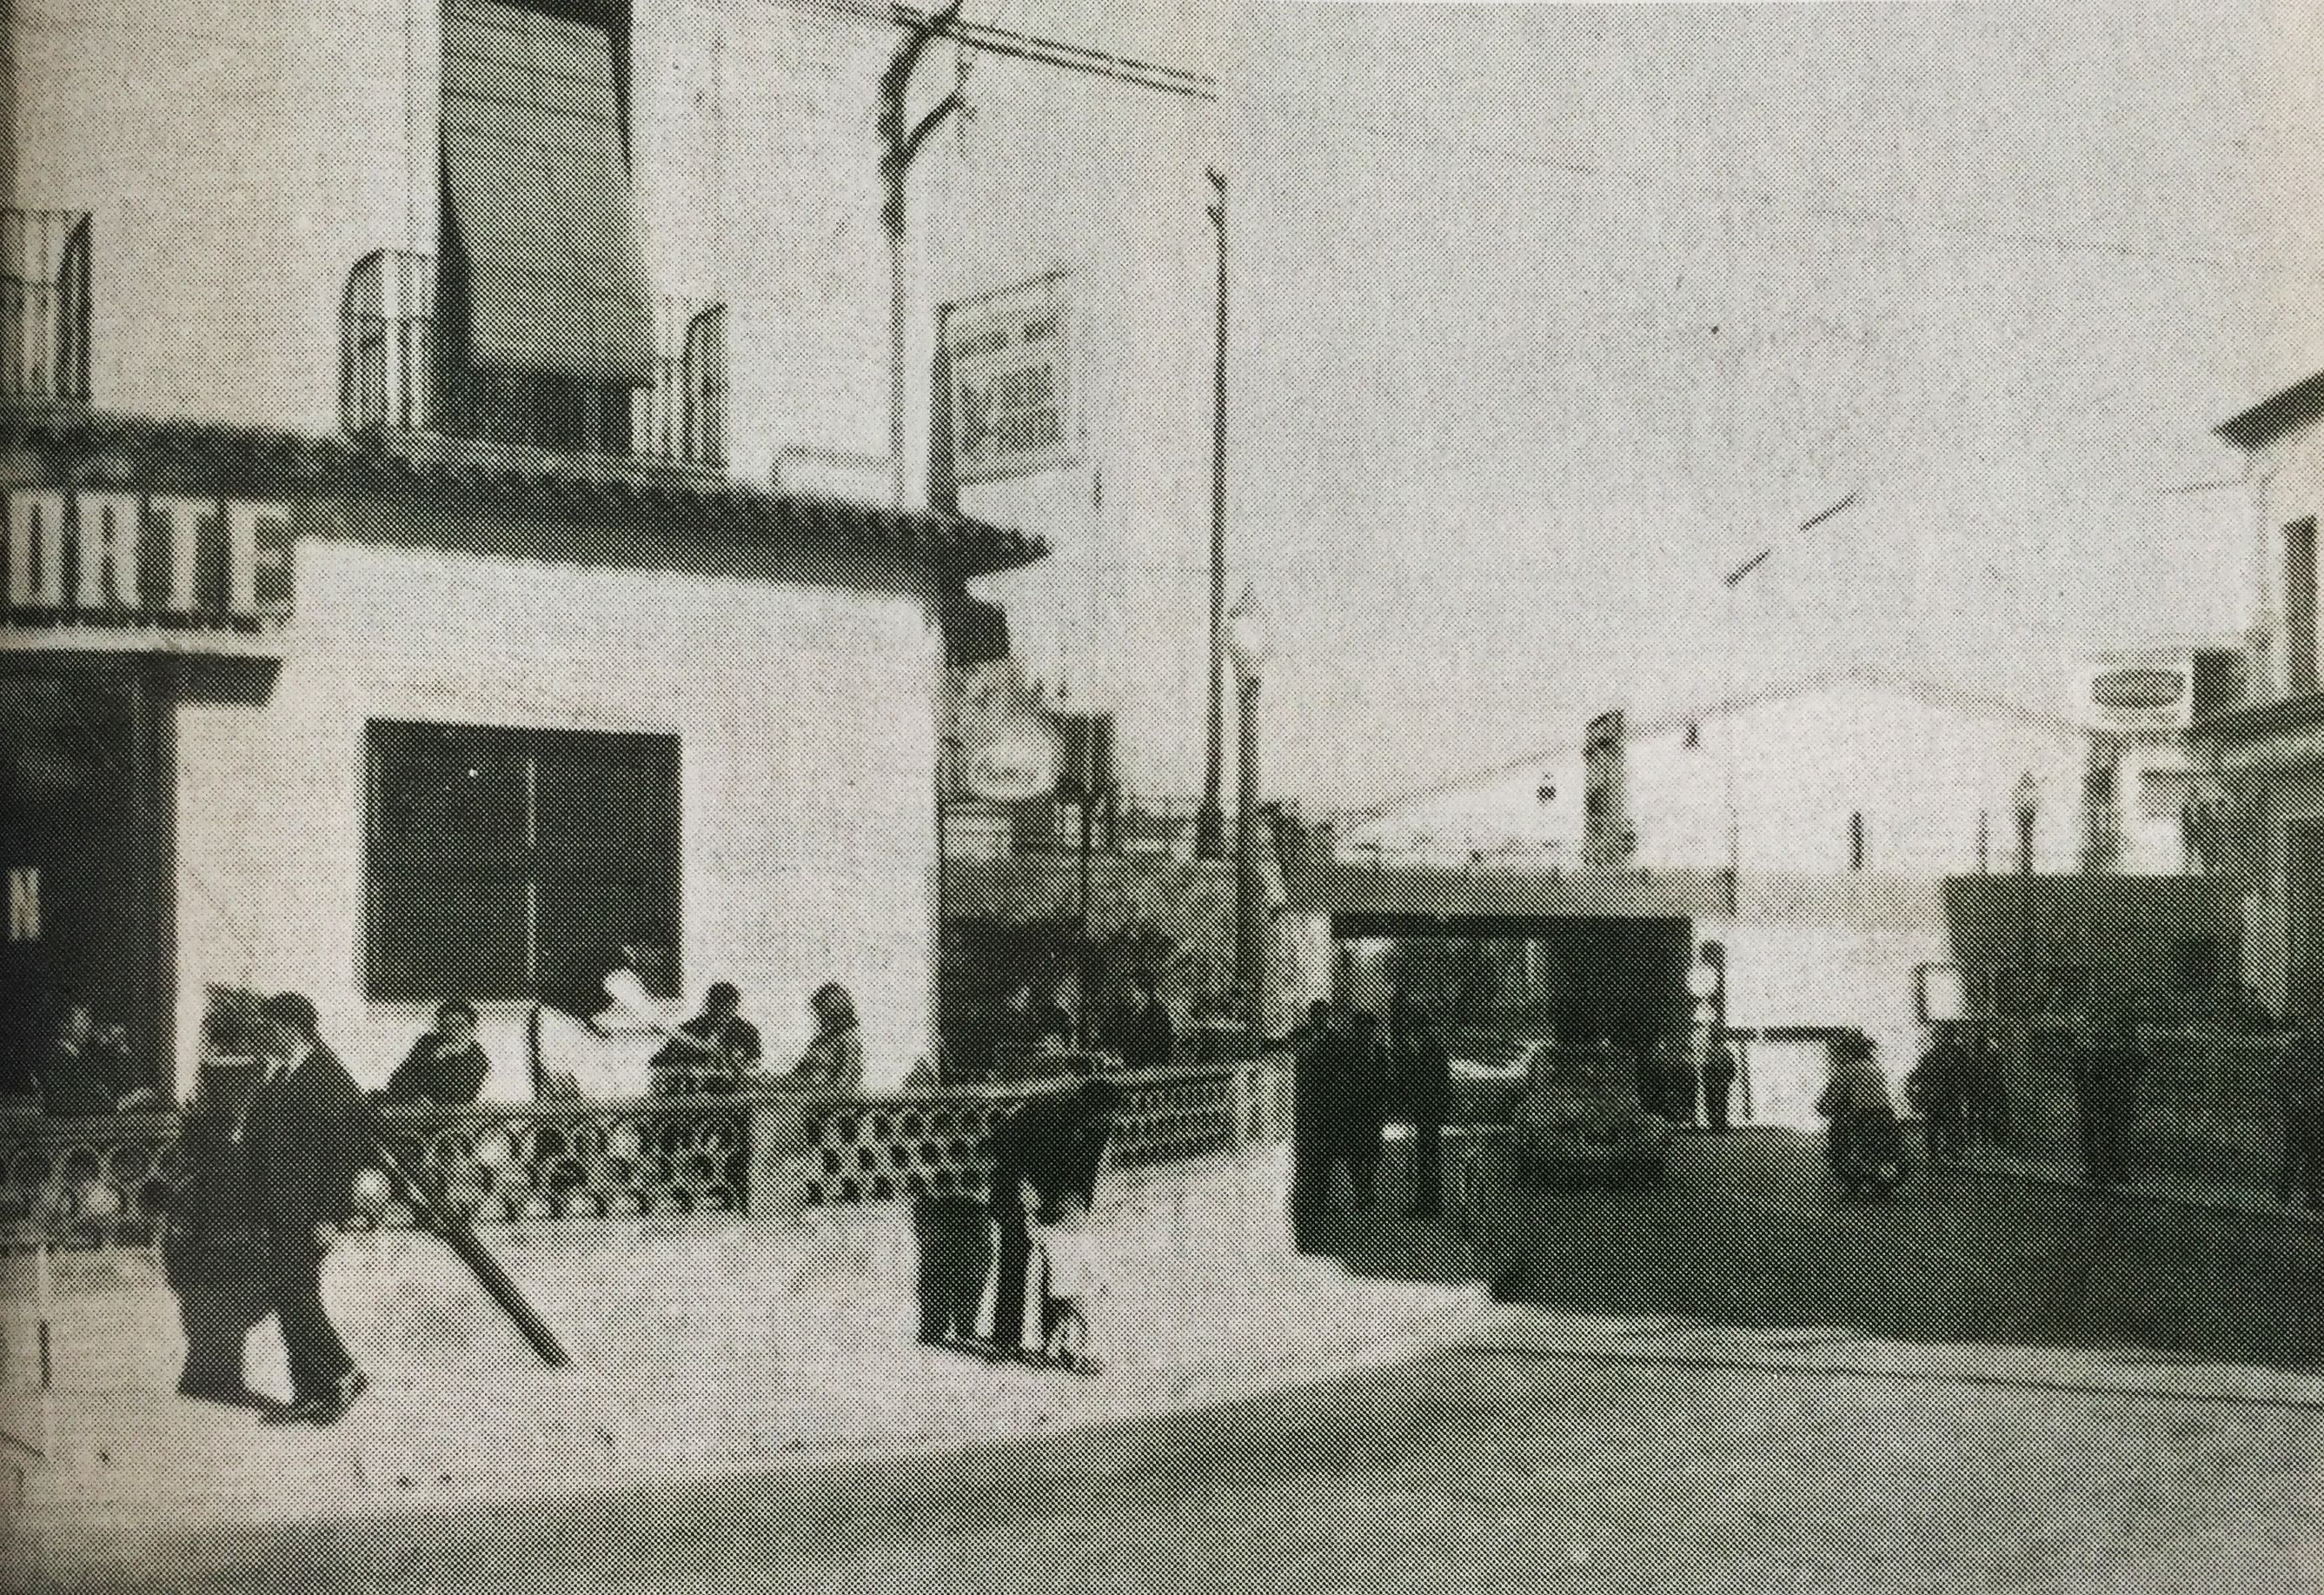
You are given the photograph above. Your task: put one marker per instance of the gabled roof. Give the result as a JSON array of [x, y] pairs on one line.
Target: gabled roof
[[1936, 694], [2297, 406]]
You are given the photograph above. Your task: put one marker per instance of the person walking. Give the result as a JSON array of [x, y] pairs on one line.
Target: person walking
[[2301, 1179], [1046, 1161], [2107, 1065], [1719, 1068], [1938, 1091], [306, 1129], [214, 1250], [1352, 1080], [1424, 1088]]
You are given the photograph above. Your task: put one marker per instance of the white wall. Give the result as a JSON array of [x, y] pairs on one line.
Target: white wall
[[808, 738]]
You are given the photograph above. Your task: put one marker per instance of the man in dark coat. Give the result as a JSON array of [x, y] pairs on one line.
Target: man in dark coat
[[1424, 1086], [1719, 1071], [1046, 1158], [308, 1130], [2108, 1064], [1142, 1031], [213, 1249]]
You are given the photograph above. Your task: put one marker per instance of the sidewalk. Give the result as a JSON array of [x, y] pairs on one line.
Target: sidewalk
[[702, 1349]]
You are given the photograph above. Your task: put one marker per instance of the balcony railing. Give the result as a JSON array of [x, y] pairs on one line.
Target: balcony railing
[[44, 305], [395, 378]]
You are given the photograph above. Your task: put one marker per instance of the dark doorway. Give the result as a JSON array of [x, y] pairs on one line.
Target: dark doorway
[[86, 763]]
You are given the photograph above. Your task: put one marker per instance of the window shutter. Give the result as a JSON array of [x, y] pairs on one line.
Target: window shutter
[[537, 165]]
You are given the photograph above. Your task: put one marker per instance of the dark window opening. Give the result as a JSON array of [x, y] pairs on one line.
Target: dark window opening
[[1855, 840], [503, 863]]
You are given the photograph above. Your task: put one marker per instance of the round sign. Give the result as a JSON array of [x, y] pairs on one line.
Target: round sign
[[1019, 759]]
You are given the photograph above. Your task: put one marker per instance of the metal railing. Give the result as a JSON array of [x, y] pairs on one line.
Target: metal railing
[[394, 377], [44, 305]]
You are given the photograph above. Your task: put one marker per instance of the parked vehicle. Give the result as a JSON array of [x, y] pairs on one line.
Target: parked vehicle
[[1579, 1118]]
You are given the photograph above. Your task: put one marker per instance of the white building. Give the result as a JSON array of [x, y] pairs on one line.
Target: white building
[[1846, 775], [389, 611], [2267, 755]]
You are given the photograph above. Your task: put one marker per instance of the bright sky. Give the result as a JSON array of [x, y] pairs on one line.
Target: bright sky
[[1547, 316]]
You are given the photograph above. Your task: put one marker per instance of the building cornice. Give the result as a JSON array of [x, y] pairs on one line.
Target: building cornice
[[75, 447]]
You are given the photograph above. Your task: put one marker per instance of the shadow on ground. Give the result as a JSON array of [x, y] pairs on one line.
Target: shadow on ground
[[1747, 1232]]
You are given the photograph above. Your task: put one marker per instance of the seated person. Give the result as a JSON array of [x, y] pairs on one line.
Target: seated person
[[444, 1065], [710, 1051], [87, 1068]]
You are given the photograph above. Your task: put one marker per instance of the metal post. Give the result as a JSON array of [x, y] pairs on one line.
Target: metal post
[[1249, 951], [901, 139], [1082, 949], [1210, 823]]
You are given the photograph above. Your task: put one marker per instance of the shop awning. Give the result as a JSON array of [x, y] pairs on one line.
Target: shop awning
[[537, 164]]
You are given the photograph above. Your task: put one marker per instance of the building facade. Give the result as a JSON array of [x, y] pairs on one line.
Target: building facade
[[2264, 757], [401, 605]]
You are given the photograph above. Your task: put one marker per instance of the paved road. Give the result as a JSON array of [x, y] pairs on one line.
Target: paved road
[[1747, 1231], [1509, 1466], [1602, 1442]]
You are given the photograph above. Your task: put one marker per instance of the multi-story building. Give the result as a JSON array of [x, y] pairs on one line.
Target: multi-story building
[[403, 603], [2264, 757]]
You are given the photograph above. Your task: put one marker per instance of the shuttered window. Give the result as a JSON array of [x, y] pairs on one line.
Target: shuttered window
[[536, 177]]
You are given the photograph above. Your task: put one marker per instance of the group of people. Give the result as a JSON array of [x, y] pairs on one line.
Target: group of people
[[1139, 1028], [268, 1153], [1025, 1244], [1355, 1075]]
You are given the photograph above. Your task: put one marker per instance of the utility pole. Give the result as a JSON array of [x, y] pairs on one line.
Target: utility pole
[[1210, 824], [900, 140]]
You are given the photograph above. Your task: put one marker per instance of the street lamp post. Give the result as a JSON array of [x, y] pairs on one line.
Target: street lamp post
[[1249, 641], [1210, 822], [900, 141], [2028, 802]]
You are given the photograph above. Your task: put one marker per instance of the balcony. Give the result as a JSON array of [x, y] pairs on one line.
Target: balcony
[[45, 307], [395, 378]]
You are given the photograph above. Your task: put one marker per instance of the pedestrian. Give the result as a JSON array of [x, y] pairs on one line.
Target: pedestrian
[[833, 1059], [445, 1066], [1938, 1091], [1351, 1101], [1673, 1078], [1046, 1161], [709, 1052], [1310, 1190], [1424, 1088], [214, 1249], [1719, 1068], [954, 1230], [1142, 1032], [307, 1131], [2303, 1176], [2107, 1065]]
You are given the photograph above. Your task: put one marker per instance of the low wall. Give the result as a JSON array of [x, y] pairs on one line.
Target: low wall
[[104, 1181]]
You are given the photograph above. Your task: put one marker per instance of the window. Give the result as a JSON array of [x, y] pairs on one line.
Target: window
[[1855, 840], [1693, 733], [544, 293], [498, 862]]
